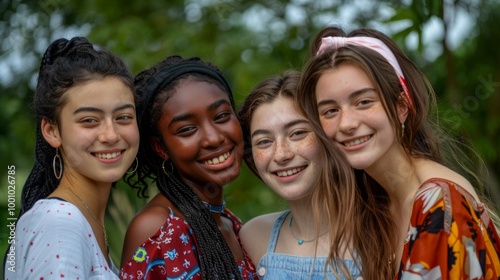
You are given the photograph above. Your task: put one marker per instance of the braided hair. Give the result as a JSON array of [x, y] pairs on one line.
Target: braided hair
[[65, 63], [153, 87]]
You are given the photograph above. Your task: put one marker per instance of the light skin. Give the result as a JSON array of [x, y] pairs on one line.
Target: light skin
[[353, 116], [287, 157], [98, 140], [201, 136]]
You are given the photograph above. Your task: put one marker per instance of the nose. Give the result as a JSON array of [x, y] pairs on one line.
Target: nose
[[348, 121], [212, 136], [108, 133], [282, 152]]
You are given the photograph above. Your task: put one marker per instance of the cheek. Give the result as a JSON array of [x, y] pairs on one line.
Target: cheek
[[310, 148], [260, 159], [132, 135], [234, 130], [330, 127]]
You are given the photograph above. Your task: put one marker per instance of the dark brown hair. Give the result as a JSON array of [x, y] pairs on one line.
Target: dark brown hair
[[65, 63]]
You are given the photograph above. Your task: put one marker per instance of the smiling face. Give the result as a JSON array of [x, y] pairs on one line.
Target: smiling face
[[97, 135], [285, 149], [202, 135], [352, 114]]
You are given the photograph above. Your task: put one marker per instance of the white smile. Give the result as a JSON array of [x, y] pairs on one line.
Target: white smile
[[219, 159], [289, 172], [107, 155], [357, 141]]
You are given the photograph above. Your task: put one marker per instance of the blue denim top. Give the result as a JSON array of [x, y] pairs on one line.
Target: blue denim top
[[282, 266]]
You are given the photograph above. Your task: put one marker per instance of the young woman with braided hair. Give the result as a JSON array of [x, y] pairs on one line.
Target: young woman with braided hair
[[374, 103], [86, 139], [191, 147]]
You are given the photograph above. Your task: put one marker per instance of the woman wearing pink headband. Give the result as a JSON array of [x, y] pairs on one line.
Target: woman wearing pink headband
[[373, 102]]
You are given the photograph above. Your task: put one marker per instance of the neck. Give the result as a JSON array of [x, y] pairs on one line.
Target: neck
[[303, 220], [395, 172], [95, 196]]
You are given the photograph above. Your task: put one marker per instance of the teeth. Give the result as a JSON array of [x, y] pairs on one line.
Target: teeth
[[219, 159], [289, 172], [109, 155], [357, 141]]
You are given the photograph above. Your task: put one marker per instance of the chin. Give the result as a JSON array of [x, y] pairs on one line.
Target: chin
[[358, 165], [226, 180]]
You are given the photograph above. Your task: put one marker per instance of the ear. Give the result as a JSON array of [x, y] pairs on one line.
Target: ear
[[159, 148], [402, 108], [50, 133]]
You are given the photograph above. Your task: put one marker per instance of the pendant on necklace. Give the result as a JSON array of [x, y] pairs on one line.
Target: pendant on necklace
[[300, 241]]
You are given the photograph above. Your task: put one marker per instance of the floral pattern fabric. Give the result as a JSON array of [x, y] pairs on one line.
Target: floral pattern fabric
[[451, 236], [171, 253]]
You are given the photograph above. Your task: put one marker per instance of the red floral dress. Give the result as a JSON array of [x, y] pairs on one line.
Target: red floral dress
[[171, 253], [451, 236]]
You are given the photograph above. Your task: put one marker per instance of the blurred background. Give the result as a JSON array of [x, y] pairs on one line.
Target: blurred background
[[454, 42]]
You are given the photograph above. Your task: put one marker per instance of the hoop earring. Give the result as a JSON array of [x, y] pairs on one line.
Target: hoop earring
[[402, 130], [57, 157], [171, 168], [135, 168]]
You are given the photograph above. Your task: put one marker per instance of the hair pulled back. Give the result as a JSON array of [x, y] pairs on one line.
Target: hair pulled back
[[65, 63]]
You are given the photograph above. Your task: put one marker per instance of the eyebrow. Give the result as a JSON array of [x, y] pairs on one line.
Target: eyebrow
[[97, 110], [351, 96], [285, 127], [211, 107]]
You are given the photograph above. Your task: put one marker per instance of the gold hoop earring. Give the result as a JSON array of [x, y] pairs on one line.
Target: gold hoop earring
[[171, 168], [57, 158], [135, 168]]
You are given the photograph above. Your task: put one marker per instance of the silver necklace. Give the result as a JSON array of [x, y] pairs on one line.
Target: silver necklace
[[299, 240], [102, 226]]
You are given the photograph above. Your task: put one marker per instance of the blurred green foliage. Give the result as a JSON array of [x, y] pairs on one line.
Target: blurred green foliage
[[249, 41]]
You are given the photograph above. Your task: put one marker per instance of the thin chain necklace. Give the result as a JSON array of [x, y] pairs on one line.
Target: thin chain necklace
[[102, 226], [299, 240]]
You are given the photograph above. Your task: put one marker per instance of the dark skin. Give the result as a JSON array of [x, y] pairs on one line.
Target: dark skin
[[199, 122]]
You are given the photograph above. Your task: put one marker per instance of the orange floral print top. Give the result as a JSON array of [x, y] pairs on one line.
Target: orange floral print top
[[451, 236]]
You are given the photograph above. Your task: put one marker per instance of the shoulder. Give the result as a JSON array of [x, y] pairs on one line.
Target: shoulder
[[446, 201], [56, 234], [265, 221], [447, 190], [255, 235], [146, 223], [54, 215], [438, 174]]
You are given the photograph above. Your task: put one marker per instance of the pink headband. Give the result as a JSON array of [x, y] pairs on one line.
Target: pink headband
[[334, 43]]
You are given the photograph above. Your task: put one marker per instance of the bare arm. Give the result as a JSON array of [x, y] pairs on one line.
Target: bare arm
[[144, 225], [255, 235]]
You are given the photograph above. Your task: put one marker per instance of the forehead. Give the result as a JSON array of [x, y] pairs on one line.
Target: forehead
[[275, 114], [108, 91], [345, 78], [190, 95]]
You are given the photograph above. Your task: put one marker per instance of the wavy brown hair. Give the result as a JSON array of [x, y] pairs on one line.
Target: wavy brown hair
[[336, 194], [376, 234]]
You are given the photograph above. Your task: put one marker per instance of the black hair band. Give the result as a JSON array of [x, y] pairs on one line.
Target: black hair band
[[170, 73]]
